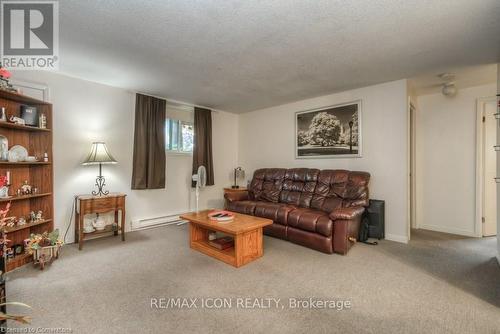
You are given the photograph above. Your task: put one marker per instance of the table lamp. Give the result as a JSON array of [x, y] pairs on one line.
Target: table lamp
[[239, 173], [99, 154]]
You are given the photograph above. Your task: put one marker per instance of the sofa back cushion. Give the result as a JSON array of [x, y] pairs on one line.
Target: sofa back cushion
[[298, 186], [266, 184], [323, 190], [340, 188], [356, 193]]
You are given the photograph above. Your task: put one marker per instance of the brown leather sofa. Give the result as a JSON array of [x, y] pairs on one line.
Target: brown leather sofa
[[319, 209]]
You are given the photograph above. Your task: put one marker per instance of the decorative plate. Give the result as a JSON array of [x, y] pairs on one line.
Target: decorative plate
[[17, 153]]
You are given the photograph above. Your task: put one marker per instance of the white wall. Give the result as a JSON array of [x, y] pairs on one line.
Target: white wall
[[267, 140], [446, 159], [84, 112]]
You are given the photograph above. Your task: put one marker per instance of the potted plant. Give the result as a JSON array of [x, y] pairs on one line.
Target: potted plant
[[44, 247]]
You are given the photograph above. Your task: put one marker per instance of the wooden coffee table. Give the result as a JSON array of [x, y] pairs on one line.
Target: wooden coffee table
[[246, 231]]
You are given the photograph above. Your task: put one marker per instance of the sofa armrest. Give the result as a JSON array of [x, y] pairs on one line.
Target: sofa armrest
[[346, 223], [347, 213], [236, 196]]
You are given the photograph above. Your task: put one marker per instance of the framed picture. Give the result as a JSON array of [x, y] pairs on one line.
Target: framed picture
[[329, 132], [30, 115]]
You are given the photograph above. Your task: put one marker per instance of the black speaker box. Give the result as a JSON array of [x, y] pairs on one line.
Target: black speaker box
[[375, 213]]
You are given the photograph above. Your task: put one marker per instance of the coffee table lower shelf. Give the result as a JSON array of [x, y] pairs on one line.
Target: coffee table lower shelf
[[247, 245], [226, 255]]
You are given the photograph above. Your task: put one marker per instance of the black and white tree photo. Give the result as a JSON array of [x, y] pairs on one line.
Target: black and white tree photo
[[329, 132]]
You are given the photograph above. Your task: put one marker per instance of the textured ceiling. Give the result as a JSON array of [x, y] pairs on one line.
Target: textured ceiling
[[245, 55]]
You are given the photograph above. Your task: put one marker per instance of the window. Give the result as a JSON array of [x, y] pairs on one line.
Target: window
[[179, 136]]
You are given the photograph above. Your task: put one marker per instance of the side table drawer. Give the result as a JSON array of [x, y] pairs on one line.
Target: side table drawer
[[102, 204]]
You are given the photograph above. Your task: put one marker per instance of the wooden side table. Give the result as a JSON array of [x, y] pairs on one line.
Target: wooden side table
[[233, 190], [87, 204]]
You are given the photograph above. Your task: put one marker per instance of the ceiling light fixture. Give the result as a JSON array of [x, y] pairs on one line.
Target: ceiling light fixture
[[449, 88]]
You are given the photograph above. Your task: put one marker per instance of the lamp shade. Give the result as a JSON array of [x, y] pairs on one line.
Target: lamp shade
[[99, 154]]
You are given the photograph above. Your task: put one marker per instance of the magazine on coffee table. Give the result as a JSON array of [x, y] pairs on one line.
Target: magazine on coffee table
[[221, 215]]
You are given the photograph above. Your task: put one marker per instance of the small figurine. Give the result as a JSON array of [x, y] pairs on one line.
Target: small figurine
[[39, 215], [32, 216], [21, 221], [25, 188], [17, 120]]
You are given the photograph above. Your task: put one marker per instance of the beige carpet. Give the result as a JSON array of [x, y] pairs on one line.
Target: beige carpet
[[437, 284]]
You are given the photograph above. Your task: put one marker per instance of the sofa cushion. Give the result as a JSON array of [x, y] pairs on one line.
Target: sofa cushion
[[298, 186], [308, 239], [245, 207], [340, 188], [277, 212], [276, 230], [356, 193], [329, 190], [315, 221], [266, 184]]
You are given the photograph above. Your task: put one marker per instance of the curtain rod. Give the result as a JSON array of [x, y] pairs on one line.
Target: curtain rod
[[178, 102]]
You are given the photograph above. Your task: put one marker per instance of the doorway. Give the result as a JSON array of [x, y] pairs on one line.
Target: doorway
[[486, 186]]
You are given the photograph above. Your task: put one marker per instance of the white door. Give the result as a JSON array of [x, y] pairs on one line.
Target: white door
[[490, 169]]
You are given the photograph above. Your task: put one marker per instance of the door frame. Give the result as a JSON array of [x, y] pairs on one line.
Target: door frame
[[412, 144], [480, 102]]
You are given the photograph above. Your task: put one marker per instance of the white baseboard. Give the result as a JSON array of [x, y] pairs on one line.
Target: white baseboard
[[398, 238], [141, 224], [450, 230]]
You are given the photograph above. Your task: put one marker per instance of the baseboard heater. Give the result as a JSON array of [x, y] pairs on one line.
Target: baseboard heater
[[146, 223]]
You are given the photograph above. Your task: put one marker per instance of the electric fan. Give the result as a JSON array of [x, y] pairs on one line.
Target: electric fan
[[201, 179]]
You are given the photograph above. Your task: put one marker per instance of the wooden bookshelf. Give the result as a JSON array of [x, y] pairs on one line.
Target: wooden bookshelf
[[18, 261], [39, 174]]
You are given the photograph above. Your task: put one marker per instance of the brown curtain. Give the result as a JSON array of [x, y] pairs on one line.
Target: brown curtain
[[149, 143], [202, 150]]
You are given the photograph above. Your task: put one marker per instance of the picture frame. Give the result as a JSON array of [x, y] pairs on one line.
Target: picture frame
[[329, 132], [30, 115]]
